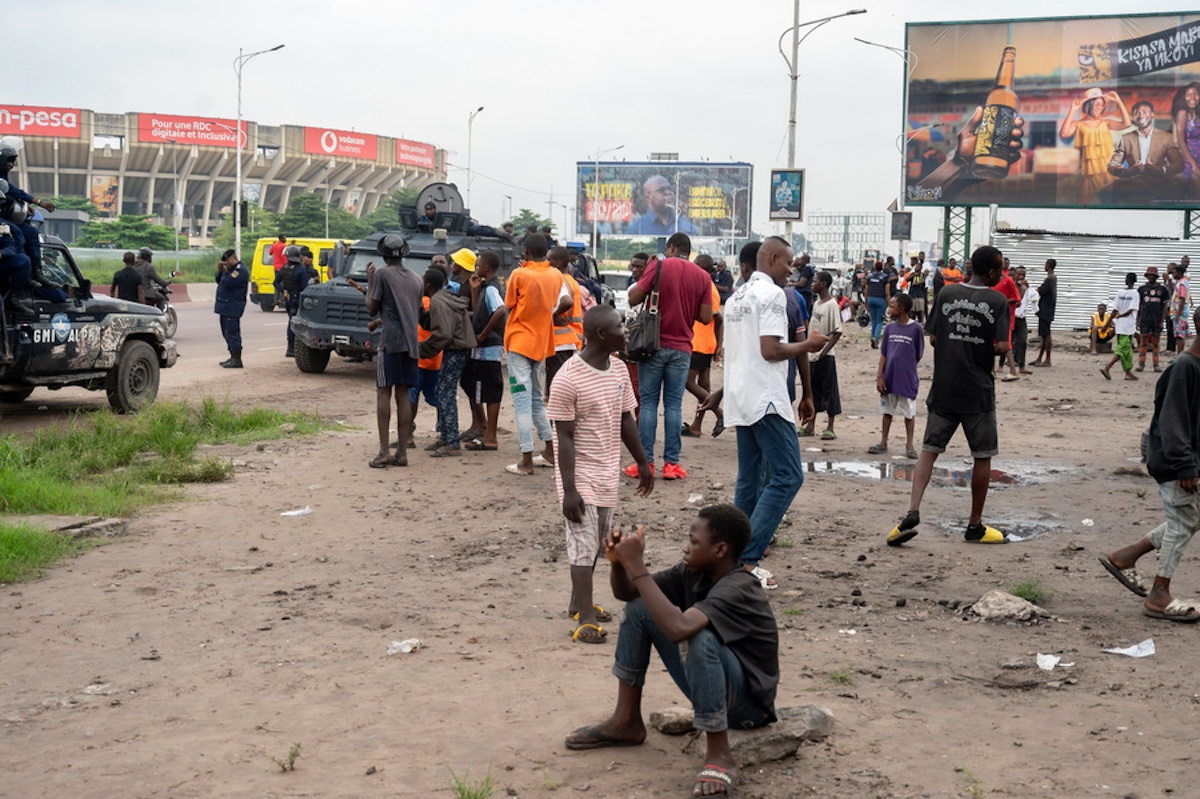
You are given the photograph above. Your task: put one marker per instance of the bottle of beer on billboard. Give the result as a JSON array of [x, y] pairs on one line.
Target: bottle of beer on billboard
[[999, 116]]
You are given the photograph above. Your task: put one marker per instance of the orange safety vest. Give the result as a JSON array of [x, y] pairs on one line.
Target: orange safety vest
[[572, 331], [433, 364]]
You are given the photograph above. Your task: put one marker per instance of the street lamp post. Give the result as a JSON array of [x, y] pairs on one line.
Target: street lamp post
[[677, 176], [733, 219], [175, 208], [470, 122], [795, 75], [596, 191], [509, 217], [238, 63]]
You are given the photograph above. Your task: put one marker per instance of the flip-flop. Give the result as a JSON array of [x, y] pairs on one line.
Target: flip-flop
[[1107, 376], [713, 774], [1009, 378], [399, 459], [380, 462], [601, 614], [686, 432], [1126, 577], [765, 578], [911, 454], [478, 446], [828, 435], [598, 637], [877, 449], [540, 460], [1175, 611], [719, 429], [515, 468], [592, 738], [445, 452]]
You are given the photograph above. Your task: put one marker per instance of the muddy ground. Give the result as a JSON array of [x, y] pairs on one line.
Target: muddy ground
[[180, 660]]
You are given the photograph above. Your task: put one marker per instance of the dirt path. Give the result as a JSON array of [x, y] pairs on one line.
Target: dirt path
[[179, 661]]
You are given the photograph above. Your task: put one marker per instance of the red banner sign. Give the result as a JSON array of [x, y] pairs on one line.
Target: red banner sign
[[203, 131], [27, 120], [415, 153], [341, 143]]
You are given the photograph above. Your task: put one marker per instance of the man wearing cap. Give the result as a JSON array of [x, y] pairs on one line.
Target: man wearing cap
[[548, 233], [232, 282], [461, 267], [151, 280], [507, 229], [290, 282], [452, 334], [1153, 298]]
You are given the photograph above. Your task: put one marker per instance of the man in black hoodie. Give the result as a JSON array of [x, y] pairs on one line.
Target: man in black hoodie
[[450, 333], [1173, 459]]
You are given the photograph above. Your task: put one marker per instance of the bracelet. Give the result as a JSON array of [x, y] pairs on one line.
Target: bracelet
[[640, 576]]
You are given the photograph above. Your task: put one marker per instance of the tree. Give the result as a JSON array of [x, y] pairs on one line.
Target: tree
[[128, 232], [386, 215], [526, 218], [68, 203], [305, 217]]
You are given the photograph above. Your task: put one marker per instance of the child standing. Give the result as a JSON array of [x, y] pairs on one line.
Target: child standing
[[826, 320], [591, 408], [896, 379]]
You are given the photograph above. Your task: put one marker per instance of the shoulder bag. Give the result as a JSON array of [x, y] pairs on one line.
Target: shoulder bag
[[642, 332]]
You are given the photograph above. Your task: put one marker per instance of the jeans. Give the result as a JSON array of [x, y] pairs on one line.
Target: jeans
[[667, 373], [1020, 340], [525, 380], [1183, 519], [709, 675], [768, 443], [453, 362], [231, 329], [877, 308]]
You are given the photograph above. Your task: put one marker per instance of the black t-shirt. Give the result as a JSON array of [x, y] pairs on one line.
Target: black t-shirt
[[739, 613], [125, 284], [916, 286], [1153, 302], [877, 284], [966, 322], [1048, 297]]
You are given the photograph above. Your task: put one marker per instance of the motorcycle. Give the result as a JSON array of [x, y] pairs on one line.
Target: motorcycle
[[160, 301]]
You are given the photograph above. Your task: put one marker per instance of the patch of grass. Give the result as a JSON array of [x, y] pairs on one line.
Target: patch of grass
[[25, 551], [843, 676], [792, 610], [783, 542], [289, 763], [974, 787], [466, 788], [548, 782], [1030, 589]]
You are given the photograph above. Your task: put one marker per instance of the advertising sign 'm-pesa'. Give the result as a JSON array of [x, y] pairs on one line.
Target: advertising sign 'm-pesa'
[[1072, 112]]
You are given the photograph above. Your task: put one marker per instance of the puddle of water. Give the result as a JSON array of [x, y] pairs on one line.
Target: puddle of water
[[1018, 529], [958, 475]]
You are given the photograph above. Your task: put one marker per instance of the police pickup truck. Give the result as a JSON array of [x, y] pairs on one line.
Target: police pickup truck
[[66, 336]]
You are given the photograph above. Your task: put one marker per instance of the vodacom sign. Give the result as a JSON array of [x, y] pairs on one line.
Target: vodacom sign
[[341, 143], [28, 120]]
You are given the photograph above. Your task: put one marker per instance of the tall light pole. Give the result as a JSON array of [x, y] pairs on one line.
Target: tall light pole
[[470, 122], [238, 63], [733, 219], [596, 190], [677, 176], [794, 74], [509, 198], [566, 208], [175, 207]]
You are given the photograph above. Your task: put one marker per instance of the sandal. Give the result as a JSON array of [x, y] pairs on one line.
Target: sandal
[[445, 452], [598, 636], [601, 614], [713, 775], [877, 449], [380, 462], [719, 429], [476, 445], [399, 459], [828, 435], [911, 454], [686, 432]]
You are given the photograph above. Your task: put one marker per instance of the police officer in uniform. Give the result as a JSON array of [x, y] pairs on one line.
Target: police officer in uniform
[[290, 280], [24, 231], [15, 266], [232, 282]]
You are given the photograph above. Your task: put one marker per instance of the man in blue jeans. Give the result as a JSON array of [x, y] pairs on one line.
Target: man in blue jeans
[[730, 669], [684, 296], [757, 352]]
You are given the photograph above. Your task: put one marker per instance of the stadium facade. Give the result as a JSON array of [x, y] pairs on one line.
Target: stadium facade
[[131, 163]]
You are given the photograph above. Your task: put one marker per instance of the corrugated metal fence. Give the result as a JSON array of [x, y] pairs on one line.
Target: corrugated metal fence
[[1090, 268]]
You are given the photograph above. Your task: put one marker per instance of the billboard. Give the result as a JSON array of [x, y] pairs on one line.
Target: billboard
[[1055, 113], [658, 198], [26, 120], [787, 195], [104, 193], [415, 153], [341, 143], [202, 131]]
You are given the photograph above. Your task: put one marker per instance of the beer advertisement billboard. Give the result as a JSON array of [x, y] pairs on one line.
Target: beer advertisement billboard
[[1091, 112], [658, 198]]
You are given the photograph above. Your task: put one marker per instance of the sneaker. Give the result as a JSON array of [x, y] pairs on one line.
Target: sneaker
[[632, 470], [982, 534], [906, 530], [673, 471]]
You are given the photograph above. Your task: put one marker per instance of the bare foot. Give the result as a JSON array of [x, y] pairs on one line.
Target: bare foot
[[607, 733]]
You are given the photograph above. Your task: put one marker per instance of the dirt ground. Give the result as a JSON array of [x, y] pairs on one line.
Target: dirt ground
[[178, 661]]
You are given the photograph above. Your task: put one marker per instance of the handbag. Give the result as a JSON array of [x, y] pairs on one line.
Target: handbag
[[642, 332]]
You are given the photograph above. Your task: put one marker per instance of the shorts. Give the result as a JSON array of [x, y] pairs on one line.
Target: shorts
[[1124, 351], [1044, 326], [896, 405], [584, 537], [918, 305], [483, 382], [1181, 328], [701, 361], [825, 394], [395, 369], [980, 429], [426, 383]]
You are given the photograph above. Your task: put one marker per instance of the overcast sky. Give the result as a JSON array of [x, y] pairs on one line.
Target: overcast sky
[[557, 79]]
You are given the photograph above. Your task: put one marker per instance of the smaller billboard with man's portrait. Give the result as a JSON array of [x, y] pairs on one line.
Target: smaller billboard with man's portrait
[[787, 195], [658, 198]]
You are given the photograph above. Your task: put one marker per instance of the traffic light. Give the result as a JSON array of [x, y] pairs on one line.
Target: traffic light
[[244, 213]]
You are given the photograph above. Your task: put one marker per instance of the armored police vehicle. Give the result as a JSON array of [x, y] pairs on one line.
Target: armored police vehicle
[[66, 336]]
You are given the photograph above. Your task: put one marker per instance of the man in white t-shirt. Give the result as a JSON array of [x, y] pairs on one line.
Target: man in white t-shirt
[[1125, 313], [756, 355]]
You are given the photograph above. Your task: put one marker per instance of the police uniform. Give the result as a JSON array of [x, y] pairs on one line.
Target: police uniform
[[25, 234], [292, 278], [15, 266], [230, 305]]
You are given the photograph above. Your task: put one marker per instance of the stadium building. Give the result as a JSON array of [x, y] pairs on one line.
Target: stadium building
[[132, 163]]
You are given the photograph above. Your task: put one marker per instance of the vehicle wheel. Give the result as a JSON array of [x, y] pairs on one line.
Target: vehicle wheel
[[267, 305], [13, 397], [310, 360], [172, 321], [132, 384]]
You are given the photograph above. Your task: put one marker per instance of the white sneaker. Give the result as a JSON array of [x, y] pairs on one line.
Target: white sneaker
[[764, 578]]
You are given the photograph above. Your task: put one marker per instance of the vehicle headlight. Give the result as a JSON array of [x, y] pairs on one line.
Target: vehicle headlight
[[308, 303]]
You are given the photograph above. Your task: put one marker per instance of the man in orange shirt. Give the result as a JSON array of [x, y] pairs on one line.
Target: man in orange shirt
[[704, 349], [531, 298], [568, 316]]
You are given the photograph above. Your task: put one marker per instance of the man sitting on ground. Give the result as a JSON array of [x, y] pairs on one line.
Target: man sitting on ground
[[1101, 330]]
